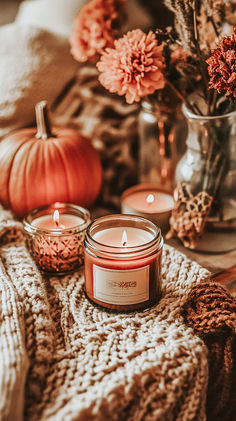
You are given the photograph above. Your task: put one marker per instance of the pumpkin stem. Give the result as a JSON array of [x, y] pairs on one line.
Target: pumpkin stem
[[42, 121]]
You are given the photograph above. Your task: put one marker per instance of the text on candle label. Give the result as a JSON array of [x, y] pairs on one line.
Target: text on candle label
[[120, 287]]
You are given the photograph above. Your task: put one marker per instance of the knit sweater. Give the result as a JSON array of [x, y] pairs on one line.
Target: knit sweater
[[211, 310], [61, 358]]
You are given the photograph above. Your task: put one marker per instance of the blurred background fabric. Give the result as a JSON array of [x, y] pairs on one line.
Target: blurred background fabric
[[8, 10], [36, 64], [35, 59]]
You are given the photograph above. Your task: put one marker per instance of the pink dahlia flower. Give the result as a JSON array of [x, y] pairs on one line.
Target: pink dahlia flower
[[134, 66], [222, 67], [94, 29]]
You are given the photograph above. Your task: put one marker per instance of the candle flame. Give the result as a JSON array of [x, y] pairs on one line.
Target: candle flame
[[150, 198], [124, 239], [56, 217], [176, 195]]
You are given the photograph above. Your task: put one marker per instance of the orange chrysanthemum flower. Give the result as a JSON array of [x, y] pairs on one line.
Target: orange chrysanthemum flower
[[134, 66], [222, 67], [94, 29]]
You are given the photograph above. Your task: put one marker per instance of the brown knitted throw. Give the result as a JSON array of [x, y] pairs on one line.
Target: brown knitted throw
[[211, 311]]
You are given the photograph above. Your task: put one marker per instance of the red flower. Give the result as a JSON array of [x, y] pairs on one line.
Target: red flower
[[134, 66], [94, 29], [222, 67]]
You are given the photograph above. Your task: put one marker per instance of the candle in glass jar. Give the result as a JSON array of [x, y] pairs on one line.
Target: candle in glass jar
[[149, 201], [123, 237], [55, 236], [123, 262], [57, 221]]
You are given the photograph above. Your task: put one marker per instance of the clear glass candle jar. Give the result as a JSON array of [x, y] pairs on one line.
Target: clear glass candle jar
[[55, 235], [122, 262]]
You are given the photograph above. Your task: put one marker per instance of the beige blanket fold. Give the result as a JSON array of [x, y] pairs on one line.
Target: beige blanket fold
[[64, 359], [35, 64], [14, 360]]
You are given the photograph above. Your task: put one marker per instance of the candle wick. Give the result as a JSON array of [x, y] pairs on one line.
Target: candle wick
[[61, 226], [124, 239]]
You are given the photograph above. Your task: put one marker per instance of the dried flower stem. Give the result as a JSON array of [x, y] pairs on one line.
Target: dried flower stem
[[219, 176], [182, 98], [197, 108], [203, 69], [213, 102], [214, 26]]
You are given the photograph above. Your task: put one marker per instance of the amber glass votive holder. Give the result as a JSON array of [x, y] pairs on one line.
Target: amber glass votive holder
[[123, 262], [57, 247]]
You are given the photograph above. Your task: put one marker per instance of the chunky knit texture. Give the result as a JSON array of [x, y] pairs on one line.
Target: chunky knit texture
[[82, 363], [211, 311]]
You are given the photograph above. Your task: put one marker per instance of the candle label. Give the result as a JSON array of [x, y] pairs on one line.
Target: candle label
[[121, 286]]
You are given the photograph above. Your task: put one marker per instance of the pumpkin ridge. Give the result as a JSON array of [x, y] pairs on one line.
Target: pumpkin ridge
[[9, 172], [80, 167], [31, 142], [77, 164], [80, 164], [32, 156], [56, 143]]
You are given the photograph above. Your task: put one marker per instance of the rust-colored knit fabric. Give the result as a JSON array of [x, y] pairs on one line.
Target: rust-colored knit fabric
[[211, 311]]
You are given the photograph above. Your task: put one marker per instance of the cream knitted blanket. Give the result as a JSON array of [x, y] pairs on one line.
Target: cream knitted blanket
[[61, 358]]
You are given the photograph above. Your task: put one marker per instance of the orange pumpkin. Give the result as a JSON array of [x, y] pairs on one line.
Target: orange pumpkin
[[38, 167]]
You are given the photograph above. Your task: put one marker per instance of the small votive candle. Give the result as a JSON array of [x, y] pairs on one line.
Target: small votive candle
[[150, 201], [122, 262], [55, 236]]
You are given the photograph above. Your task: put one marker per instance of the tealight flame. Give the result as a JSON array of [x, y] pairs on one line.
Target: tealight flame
[[124, 239], [150, 198], [176, 195], [56, 217]]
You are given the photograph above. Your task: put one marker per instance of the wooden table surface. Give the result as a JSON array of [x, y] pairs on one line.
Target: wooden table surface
[[227, 278], [221, 265]]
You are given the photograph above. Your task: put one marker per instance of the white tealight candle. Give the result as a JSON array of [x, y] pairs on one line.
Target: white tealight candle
[[123, 237], [149, 201], [57, 221]]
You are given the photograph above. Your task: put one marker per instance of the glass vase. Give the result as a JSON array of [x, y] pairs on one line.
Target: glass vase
[[209, 164], [161, 142]]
